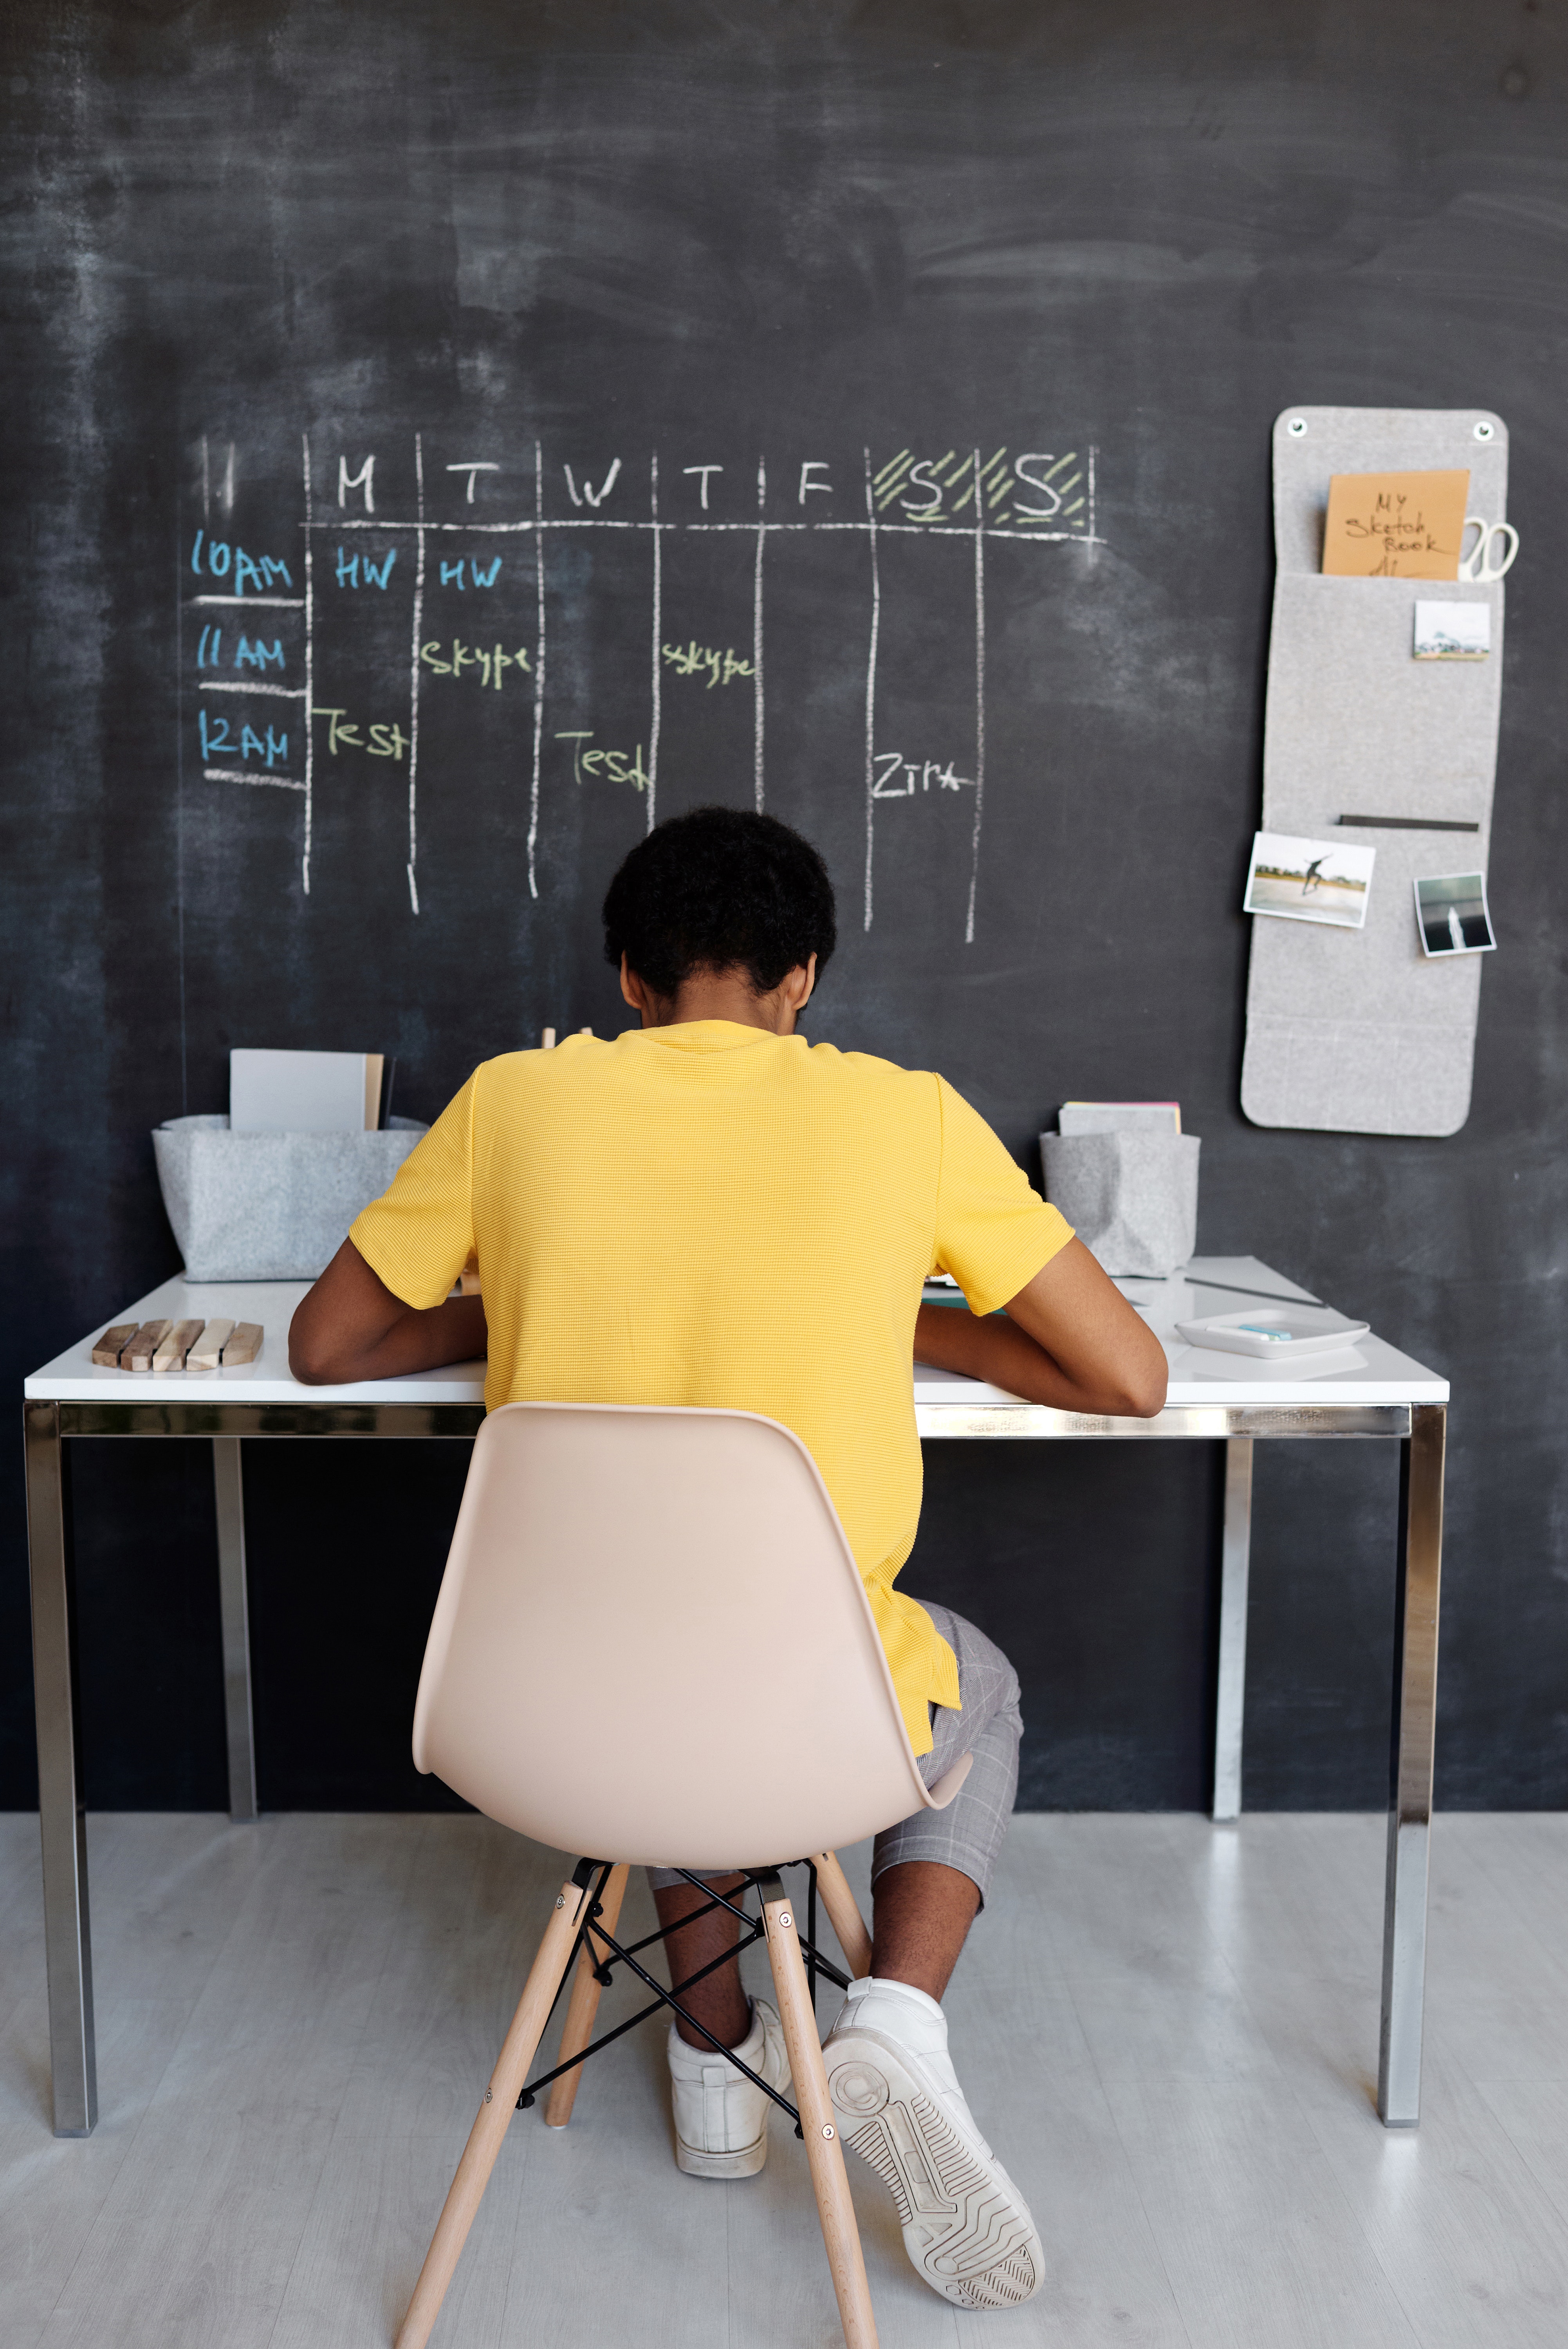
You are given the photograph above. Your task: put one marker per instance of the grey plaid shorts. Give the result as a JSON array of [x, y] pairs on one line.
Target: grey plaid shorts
[[968, 1834]]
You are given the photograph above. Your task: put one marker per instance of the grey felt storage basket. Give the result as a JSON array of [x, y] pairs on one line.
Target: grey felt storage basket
[[1132, 1199], [269, 1206]]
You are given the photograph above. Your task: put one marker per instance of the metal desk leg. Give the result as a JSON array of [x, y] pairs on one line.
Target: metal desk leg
[[67, 1941], [1235, 1555], [1411, 1795], [234, 1602]]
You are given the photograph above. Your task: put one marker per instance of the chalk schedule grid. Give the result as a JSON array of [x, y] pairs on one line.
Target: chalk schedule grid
[[388, 633]]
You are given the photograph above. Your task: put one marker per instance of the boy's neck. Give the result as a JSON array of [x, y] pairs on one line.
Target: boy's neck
[[724, 994]]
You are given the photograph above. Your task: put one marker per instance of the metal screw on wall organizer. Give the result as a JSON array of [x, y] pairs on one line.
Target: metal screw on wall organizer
[[1484, 432], [1296, 427]]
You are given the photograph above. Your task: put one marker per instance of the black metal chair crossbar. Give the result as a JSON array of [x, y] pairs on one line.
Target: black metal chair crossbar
[[765, 1883]]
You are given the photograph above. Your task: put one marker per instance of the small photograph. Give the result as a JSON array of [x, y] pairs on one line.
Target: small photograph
[[1309, 880], [1453, 631], [1451, 915]]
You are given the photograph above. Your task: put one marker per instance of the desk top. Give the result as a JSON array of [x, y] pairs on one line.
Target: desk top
[[1378, 1374]]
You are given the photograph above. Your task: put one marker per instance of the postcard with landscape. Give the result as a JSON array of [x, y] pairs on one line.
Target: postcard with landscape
[[1309, 880]]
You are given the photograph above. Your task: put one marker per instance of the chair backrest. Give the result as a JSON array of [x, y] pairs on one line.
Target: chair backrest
[[652, 1644]]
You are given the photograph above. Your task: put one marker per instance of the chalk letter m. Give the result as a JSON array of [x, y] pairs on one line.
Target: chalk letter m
[[363, 478]]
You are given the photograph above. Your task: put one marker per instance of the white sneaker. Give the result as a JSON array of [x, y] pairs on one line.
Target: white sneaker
[[720, 2119], [966, 2226]]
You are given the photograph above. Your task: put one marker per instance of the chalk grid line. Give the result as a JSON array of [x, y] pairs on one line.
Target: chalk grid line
[[758, 705], [414, 676], [871, 689], [979, 709], [310, 668], [538, 678], [656, 713]]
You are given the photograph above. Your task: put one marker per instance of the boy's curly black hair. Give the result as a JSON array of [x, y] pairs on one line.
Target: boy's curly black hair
[[720, 889]]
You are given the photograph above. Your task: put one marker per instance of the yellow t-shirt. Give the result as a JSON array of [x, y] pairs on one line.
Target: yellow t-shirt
[[713, 1215]]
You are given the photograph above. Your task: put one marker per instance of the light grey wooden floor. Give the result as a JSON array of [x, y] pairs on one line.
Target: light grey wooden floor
[[1169, 2030]]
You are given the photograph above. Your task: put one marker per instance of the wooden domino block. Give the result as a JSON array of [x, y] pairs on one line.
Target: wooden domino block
[[243, 1346], [206, 1353], [112, 1344], [137, 1355], [171, 1353]]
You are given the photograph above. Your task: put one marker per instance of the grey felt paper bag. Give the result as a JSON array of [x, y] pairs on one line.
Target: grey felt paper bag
[[269, 1206], [1132, 1199]]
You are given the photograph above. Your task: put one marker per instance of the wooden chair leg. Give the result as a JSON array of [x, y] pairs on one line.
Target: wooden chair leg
[[494, 2114], [843, 1912], [824, 2149], [584, 2007]]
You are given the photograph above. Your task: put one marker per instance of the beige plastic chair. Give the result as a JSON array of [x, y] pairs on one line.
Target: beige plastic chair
[[606, 1560]]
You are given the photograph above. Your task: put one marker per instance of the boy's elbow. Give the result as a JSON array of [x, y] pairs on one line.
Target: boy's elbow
[[1144, 1387], [311, 1368], [312, 1358]]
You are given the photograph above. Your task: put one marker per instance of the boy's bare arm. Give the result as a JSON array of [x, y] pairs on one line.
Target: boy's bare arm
[[350, 1326], [1070, 1339]]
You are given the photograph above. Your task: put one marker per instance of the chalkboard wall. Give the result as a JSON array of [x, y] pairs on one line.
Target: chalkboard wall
[[690, 346]]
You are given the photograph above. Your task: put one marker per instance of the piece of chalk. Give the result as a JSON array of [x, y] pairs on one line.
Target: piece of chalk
[[243, 1346], [112, 1344], [171, 1353], [205, 1354], [137, 1355]]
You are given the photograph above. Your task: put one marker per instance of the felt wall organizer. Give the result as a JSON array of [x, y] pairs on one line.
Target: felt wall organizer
[[1357, 1031]]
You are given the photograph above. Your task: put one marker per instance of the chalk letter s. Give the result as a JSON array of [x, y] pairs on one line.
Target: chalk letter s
[[921, 478], [1034, 481]]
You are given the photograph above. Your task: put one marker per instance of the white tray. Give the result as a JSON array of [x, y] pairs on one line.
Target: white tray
[[1275, 1332]]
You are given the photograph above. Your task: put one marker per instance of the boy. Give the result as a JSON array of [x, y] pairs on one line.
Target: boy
[[707, 1211]]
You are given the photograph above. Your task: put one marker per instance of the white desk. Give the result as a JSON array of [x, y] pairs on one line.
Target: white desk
[[1379, 1392]]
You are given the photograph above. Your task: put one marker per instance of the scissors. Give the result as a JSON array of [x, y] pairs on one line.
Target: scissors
[[1478, 563]]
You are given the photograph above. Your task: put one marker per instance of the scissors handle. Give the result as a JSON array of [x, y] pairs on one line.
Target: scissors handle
[[1478, 563]]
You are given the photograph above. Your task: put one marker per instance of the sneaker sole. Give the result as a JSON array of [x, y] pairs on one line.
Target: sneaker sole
[[967, 2229], [744, 2164]]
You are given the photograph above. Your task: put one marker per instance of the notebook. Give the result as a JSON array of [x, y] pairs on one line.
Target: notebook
[[1120, 1117], [308, 1092]]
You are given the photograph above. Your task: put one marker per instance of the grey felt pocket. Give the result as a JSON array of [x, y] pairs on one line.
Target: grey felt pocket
[[269, 1206], [1132, 1199]]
